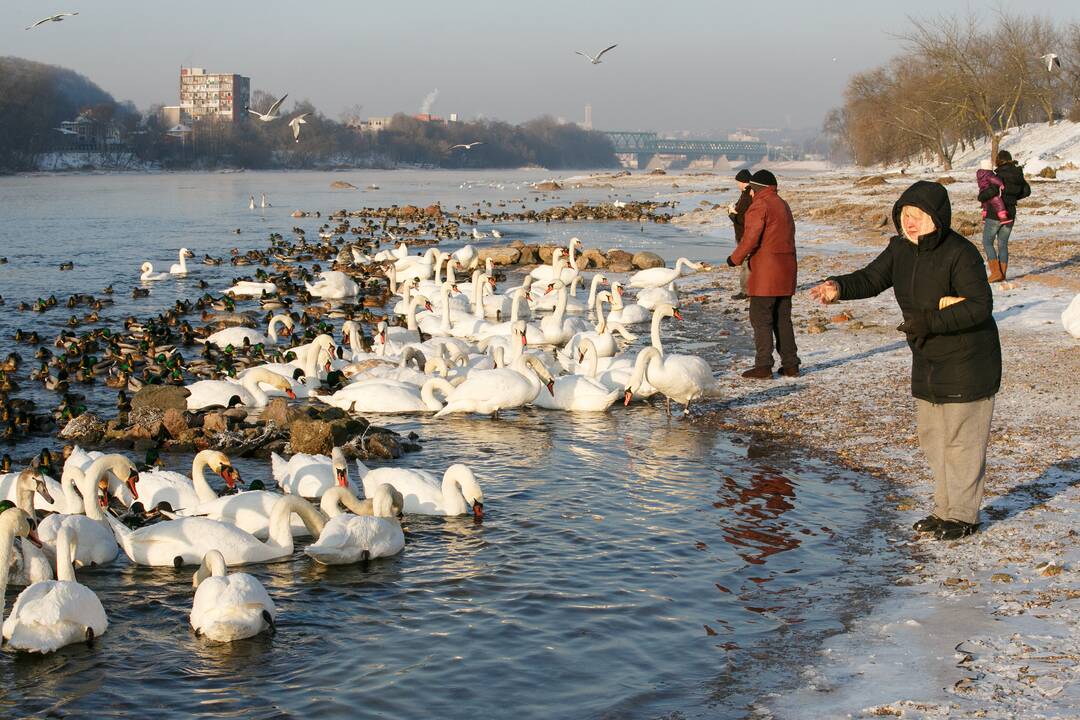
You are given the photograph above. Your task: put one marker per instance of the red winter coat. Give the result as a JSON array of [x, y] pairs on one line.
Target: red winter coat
[[768, 244]]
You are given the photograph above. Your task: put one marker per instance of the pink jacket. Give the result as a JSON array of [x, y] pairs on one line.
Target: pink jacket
[[995, 206]]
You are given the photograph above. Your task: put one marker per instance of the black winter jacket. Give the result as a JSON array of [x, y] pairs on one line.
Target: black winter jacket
[[960, 360], [738, 217], [1016, 187]]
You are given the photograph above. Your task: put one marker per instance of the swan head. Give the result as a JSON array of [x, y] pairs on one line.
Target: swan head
[[123, 469], [575, 242], [470, 488], [220, 463], [668, 310], [387, 501], [341, 468], [184, 252], [518, 330], [421, 301], [555, 285], [17, 522]]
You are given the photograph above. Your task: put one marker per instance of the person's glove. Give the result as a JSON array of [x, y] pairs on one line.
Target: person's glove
[[916, 326], [731, 209], [729, 262]]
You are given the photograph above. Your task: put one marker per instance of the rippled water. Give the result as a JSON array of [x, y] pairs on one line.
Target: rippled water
[[628, 565]]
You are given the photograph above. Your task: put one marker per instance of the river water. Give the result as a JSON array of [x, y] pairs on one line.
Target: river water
[[628, 566]]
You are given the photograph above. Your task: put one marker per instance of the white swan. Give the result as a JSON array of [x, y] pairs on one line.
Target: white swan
[[228, 607], [489, 391], [32, 490], [386, 395], [467, 256], [417, 267], [181, 268], [226, 393], [616, 373], [186, 540], [179, 491], [14, 523], [652, 297], [557, 328], [555, 271], [96, 543], [603, 337], [458, 493], [235, 336], [148, 274], [682, 378], [632, 314], [333, 285], [53, 613], [250, 288], [29, 564], [310, 476], [349, 538], [660, 276]]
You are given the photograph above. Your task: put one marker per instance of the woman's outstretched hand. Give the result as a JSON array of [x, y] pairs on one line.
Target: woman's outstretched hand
[[825, 293]]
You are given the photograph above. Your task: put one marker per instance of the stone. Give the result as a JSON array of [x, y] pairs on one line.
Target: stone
[[946, 180], [500, 255], [334, 413], [347, 428], [529, 254], [311, 436], [644, 260], [162, 397], [235, 415], [298, 213], [871, 180], [547, 186], [87, 429], [433, 211], [146, 422], [545, 253], [175, 422], [593, 258], [277, 411], [383, 447], [815, 328], [1002, 578], [342, 185], [214, 422], [1048, 172]]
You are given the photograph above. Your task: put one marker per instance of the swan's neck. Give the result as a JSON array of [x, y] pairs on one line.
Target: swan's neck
[[601, 322], [198, 479], [73, 502], [444, 325], [427, 393], [451, 276], [438, 269], [354, 339], [410, 316], [560, 306], [590, 360], [183, 261], [212, 565], [391, 275], [453, 499], [570, 256], [640, 367], [7, 547], [515, 305], [65, 555], [250, 384], [24, 493], [280, 535], [655, 331], [592, 291]]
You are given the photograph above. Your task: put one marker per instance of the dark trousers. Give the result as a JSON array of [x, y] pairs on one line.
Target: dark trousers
[[771, 317]]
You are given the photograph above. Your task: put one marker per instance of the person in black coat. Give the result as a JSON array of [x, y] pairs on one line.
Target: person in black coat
[[994, 232], [940, 284], [737, 214]]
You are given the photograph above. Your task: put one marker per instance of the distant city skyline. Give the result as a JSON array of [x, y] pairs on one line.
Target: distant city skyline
[[685, 66]]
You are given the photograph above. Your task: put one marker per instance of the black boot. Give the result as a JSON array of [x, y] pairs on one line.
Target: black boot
[[928, 524], [954, 530]]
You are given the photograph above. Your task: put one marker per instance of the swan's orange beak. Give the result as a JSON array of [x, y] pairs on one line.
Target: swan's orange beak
[[491, 281], [478, 510], [133, 478], [619, 290], [528, 296], [549, 288], [382, 337], [427, 306], [342, 477], [286, 332], [328, 366], [32, 537], [290, 393], [551, 387], [455, 288], [677, 315], [230, 475], [626, 397]]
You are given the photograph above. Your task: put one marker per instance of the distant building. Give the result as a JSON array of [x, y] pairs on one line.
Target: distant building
[[220, 96], [428, 117], [82, 133], [171, 115], [587, 125], [374, 124]]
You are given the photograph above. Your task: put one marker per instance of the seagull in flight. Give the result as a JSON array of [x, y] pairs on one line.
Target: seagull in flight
[[53, 18], [1051, 62], [467, 146], [596, 60], [272, 113], [295, 124]]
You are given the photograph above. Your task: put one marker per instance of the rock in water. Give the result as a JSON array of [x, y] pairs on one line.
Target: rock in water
[[87, 429], [162, 397], [342, 185], [315, 437], [175, 422], [645, 260], [501, 256]]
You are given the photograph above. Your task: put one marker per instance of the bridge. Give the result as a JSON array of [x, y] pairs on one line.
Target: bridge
[[646, 145]]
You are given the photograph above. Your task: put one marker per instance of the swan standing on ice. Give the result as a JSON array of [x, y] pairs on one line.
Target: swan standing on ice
[[51, 614], [348, 538], [180, 268], [228, 607], [458, 493]]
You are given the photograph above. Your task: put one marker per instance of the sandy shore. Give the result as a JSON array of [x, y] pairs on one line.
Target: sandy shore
[[984, 627]]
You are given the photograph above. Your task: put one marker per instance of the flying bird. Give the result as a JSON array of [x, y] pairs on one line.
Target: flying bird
[[272, 113], [596, 60], [467, 146], [58, 17], [1051, 62], [295, 124]]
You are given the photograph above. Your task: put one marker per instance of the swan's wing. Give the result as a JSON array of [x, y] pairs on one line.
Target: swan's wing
[[274, 108], [610, 47]]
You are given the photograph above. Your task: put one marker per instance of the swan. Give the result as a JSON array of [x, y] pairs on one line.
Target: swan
[[489, 391], [249, 288], [235, 336], [603, 336], [310, 476], [349, 538], [181, 268], [178, 491], [652, 297], [533, 334], [457, 494], [633, 314], [682, 378], [29, 564], [467, 256], [411, 331], [393, 254], [148, 274], [228, 607], [32, 490], [547, 273], [186, 540], [660, 276], [15, 522], [578, 393], [419, 267], [386, 395], [333, 285], [557, 328], [226, 393], [53, 613], [616, 373], [97, 546]]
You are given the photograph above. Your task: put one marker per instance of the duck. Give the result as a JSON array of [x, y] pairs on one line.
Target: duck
[[661, 276], [458, 493], [52, 614], [371, 531], [226, 393], [228, 607], [236, 336], [148, 274], [180, 268], [186, 540], [310, 476], [489, 391], [159, 487]]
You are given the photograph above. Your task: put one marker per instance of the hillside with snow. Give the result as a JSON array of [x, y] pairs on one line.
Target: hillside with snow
[[1035, 146]]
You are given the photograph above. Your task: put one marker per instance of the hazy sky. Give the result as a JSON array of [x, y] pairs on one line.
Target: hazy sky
[[680, 65]]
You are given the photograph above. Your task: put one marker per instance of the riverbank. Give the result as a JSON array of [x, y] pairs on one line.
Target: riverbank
[[1002, 596]]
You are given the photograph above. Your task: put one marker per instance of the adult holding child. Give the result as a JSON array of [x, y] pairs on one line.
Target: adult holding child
[[1000, 193], [940, 284]]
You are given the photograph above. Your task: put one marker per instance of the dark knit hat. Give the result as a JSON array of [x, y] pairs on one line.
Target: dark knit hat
[[763, 178], [743, 176]]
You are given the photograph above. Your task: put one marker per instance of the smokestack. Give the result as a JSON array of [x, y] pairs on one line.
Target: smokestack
[[429, 100]]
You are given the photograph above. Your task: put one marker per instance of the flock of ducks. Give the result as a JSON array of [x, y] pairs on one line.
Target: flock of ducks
[[464, 347]]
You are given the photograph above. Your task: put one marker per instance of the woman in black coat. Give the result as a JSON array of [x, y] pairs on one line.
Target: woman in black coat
[[940, 284]]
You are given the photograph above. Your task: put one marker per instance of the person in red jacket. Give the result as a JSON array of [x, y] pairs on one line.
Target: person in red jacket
[[768, 245]]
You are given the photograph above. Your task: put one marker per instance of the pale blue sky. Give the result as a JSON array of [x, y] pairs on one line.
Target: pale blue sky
[[683, 64]]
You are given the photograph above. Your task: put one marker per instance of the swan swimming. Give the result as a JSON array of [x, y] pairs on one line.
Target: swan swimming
[[348, 538], [423, 494], [228, 607]]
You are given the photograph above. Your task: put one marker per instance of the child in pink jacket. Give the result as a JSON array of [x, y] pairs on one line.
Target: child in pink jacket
[[995, 206]]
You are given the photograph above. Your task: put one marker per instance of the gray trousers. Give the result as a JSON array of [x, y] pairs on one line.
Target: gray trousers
[[953, 437]]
